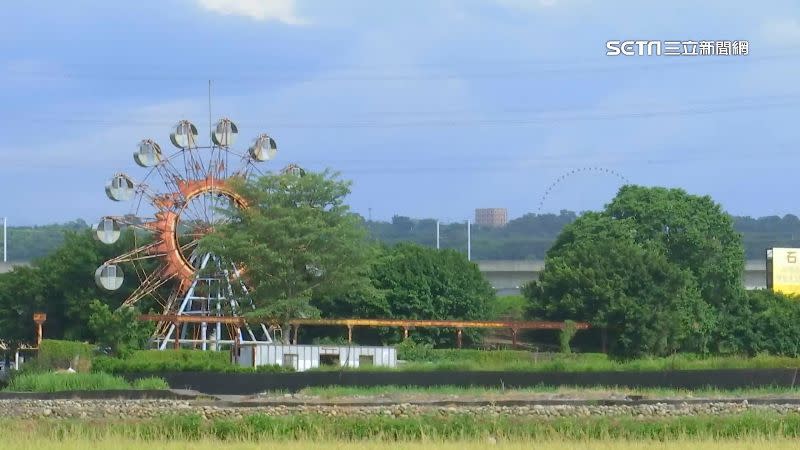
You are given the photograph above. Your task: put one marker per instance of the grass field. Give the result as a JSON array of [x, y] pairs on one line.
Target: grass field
[[28, 443], [426, 427], [57, 382], [422, 358], [743, 431], [425, 359], [330, 392], [416, 357]]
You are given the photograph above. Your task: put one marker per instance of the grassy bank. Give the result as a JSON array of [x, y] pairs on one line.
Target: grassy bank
[[415, 357], [260, 427], [331, 392], [426, 359], [175, 361], [27, 443], [58, 382]]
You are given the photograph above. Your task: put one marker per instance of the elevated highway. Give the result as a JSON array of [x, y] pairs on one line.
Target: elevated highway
[[508, 276], [7, 266]]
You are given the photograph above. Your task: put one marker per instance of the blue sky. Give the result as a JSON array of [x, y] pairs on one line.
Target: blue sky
[[432, 108]]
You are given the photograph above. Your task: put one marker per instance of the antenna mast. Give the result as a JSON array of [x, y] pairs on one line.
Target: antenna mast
[[209, 111]]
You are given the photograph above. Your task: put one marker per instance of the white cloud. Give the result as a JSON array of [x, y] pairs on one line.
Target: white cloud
[[782, 32], [264, 10]]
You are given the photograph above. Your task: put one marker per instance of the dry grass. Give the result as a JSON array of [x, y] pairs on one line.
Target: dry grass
[[32, 443]]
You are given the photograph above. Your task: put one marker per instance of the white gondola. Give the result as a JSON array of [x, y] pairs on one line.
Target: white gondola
[[148, 154], [264, 148], [224, 133], [184, 135], [107, 230], [120, 188], [108, 277]]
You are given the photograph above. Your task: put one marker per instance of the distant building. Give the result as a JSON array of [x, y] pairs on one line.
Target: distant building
[[491, 217]]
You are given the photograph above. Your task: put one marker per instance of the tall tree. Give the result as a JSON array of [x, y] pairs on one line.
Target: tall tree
[[296, 237], [692, 231], [653, 251], [597, 272], [62, 285]]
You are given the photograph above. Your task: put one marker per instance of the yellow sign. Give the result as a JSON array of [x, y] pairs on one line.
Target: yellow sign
[[786, 270]]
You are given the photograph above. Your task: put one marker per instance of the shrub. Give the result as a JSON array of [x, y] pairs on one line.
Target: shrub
[[408, 350], [59, 355], [150, 383], [566, 335], [148, 361]]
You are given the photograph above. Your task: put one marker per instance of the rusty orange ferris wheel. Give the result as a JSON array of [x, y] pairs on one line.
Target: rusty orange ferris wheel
[[181, 198]]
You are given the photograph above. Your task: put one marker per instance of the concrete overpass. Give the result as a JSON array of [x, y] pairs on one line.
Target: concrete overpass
[[507, 276], [7, 266]]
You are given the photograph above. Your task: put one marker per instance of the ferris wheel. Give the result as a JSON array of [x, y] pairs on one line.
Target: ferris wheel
[[181, 198]]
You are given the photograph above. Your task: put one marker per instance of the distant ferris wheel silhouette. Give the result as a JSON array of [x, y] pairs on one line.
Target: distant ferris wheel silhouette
[[571, 173]]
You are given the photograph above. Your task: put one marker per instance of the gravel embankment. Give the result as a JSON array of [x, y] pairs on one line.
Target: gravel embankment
[[141, 409]]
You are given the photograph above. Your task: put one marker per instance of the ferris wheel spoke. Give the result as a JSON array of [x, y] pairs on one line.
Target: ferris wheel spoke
[[130, 222], [189, 245], [196, 166], [137, 254], [195, 214], [148, 286], [170, 176]]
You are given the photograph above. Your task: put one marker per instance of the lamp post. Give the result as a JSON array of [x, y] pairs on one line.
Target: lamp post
[[469, 242], [39, 318]]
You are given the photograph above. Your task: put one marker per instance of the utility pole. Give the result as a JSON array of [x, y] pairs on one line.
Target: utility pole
[[5, 239], [370, 214], [437, 235], [211, 130], [469, 242]]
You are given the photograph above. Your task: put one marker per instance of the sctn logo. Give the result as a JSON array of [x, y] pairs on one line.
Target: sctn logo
[[631, 48]]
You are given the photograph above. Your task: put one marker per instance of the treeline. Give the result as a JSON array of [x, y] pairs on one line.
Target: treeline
[[530, 236], [29, 243], [527, 237]]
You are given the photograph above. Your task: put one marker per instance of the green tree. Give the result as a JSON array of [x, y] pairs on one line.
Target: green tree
[[599, 271], [767, 323], [118, 330], [296, 238], [423, 283], [62, 285], [692, 231]]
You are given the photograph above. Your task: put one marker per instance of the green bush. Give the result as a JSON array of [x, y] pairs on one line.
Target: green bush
[[59, 355], [409, 350], [566, 335], [150, 383], [56, 382], [509, 307], [149, 361]]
